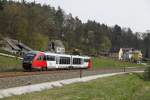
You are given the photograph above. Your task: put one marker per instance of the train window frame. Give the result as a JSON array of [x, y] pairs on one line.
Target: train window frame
[[41, 58], [29, 57], [51, 58], [77, 61], [65, 60]]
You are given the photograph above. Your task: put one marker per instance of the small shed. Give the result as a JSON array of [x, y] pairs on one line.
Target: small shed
[[14, 46], [116, 53]]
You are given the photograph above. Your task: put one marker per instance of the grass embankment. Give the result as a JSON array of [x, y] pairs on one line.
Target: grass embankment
[[107, 63], [10, 64], [124, 87], [6, 52]]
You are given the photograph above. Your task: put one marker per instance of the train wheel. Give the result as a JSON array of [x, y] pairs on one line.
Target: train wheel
[[27, 69]]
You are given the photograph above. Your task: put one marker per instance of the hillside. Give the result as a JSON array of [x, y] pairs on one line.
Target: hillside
[[36, 24]]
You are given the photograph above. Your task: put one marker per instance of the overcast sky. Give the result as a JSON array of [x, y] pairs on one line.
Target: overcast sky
[[126, 13]]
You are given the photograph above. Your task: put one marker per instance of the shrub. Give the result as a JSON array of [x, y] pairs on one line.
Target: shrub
[[147, 73]]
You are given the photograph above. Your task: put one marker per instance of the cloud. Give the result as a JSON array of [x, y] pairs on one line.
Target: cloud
[[127, 13]]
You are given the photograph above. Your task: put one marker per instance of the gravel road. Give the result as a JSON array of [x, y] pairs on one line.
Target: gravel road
[[34, 79]]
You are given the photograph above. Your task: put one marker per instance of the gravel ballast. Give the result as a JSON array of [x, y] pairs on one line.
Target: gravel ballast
[[35, 79]]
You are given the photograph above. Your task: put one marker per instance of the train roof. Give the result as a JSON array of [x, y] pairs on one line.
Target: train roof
[[56, 54], [78, 55], [50, 53], [33, 52]]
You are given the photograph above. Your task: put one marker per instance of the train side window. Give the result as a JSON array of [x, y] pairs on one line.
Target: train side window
[[41, 58], [64, 60], [76, 61], [50, 58]]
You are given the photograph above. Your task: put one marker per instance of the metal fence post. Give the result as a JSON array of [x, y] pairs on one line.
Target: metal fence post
[[124, 69], [81, 73]]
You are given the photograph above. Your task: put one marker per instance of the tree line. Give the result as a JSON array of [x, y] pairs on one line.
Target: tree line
[[35, 24]]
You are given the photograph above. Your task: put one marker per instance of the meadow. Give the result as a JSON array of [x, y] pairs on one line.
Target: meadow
[[108, 62], [124, 87], [10, 64]]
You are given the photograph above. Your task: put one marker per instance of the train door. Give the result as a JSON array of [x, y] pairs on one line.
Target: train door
[[87, 62], [51, 61], [57, 61]]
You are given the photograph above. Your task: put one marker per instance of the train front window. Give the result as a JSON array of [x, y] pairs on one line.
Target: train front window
[[29, 57]]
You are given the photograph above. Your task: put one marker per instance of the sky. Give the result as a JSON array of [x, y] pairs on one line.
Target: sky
[[126, 13]]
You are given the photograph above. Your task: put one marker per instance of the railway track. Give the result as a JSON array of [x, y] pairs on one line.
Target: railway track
[[102, 70], [23, 73]]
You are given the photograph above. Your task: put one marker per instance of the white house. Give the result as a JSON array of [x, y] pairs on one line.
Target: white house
[[56, 46]]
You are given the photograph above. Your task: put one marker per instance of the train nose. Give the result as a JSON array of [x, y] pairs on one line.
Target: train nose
[[28, 62], [27, 66]]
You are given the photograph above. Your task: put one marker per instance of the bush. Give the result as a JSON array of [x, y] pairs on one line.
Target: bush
[[147, 74]]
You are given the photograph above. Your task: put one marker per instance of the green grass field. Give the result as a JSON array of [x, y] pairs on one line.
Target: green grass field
[[124, 87], [10, 64], [107, 62]]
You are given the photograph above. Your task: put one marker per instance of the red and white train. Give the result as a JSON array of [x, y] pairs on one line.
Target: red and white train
[[47, 60]]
